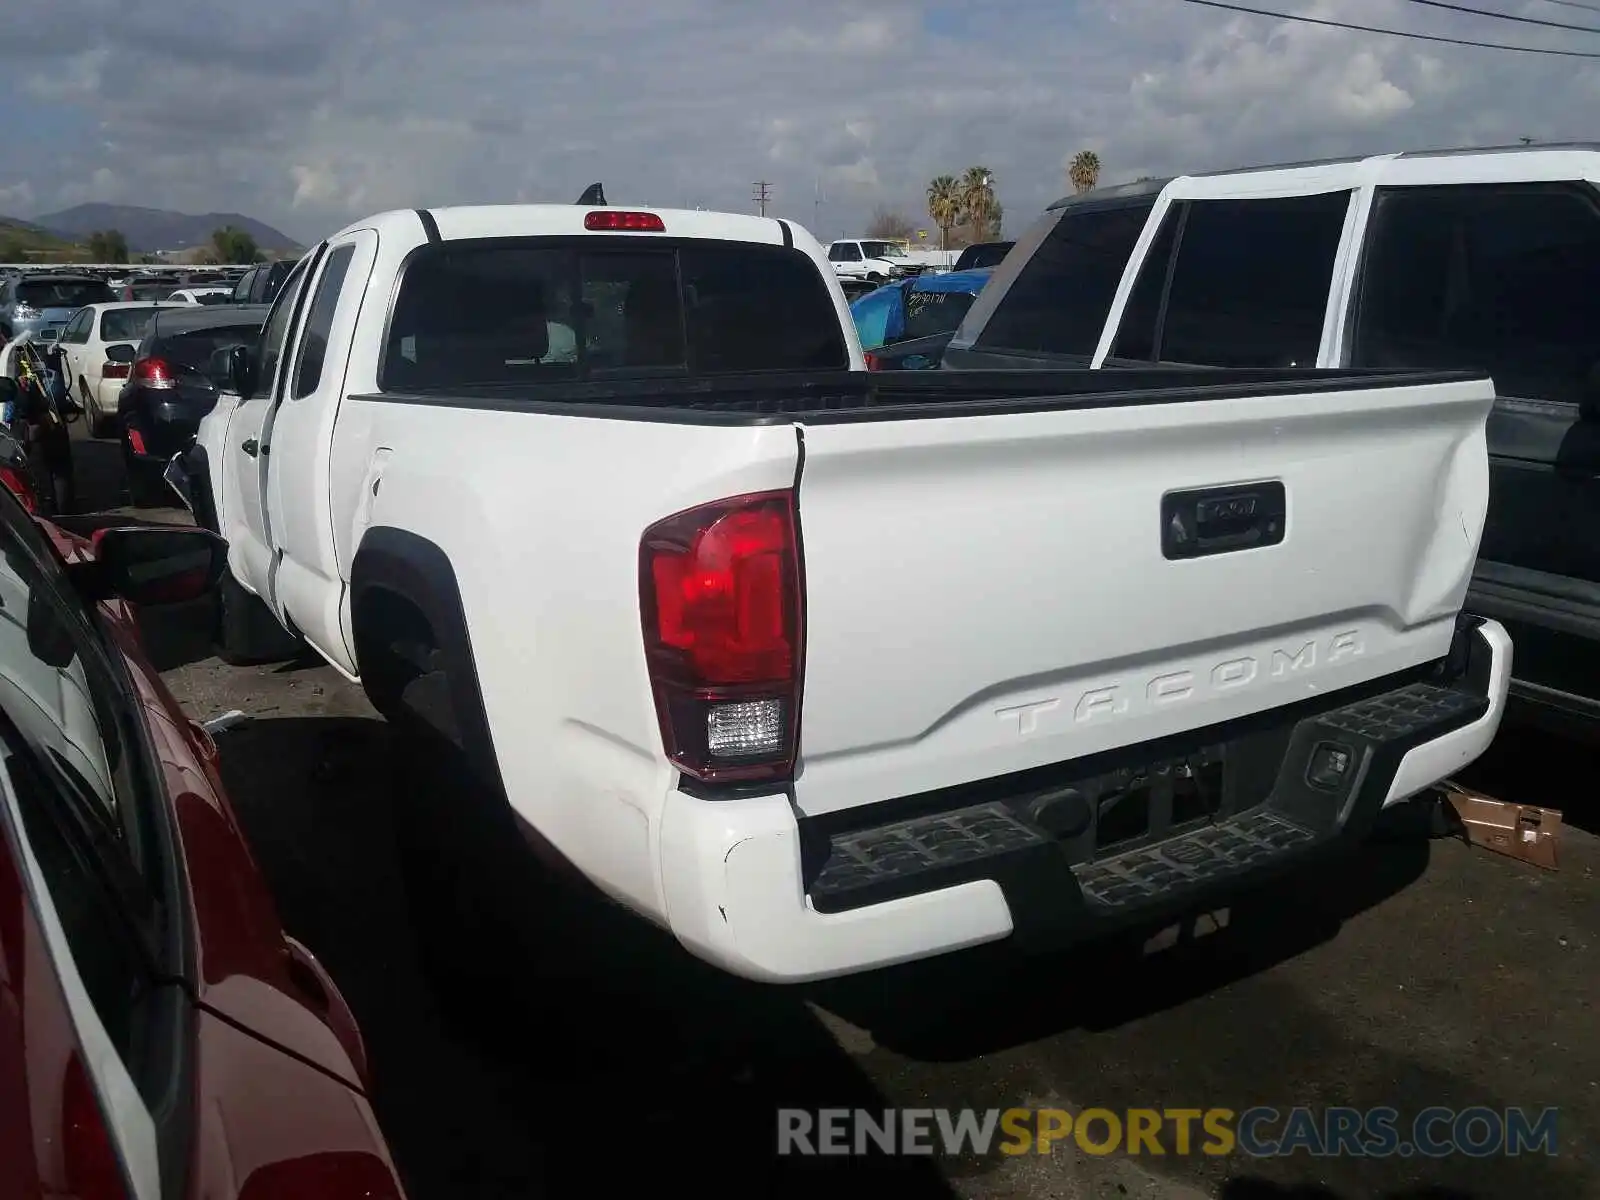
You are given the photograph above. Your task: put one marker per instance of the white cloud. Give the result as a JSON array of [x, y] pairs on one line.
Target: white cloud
[[309, 115]]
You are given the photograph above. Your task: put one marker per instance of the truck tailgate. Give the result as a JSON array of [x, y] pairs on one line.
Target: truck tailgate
[[994, 592]]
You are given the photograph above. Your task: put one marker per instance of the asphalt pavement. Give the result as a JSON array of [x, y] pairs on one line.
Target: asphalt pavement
[[1415, 974]]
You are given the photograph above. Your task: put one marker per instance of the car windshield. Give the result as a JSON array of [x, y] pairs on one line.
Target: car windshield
[[124, 324], [63, 293], [883, 250]]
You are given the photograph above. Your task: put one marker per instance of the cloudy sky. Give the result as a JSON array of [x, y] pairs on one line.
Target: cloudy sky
[[310, 113]]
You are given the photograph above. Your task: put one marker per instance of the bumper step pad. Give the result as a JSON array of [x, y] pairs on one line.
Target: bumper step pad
[[986, 839]]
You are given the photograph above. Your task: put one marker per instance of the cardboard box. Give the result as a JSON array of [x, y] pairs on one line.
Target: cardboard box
[[1523, 831]]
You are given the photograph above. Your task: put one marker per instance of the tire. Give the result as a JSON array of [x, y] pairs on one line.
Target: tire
[[475, 894], [247, 631], [100, 426]]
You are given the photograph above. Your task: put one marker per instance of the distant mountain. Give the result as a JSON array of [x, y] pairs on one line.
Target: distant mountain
[[20, 239], [151, 229]]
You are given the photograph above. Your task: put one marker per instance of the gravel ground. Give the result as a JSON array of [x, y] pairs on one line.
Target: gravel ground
[[1416, 974]]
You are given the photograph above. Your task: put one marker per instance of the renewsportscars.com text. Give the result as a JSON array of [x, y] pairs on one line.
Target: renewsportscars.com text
[[1258, 1132]]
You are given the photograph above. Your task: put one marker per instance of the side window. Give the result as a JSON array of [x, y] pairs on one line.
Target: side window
[[836, 252], [241, 290], [1136, 335], [852, 252], [1059, 303], [64, 755], [1251, 281], [276, 331], [1497, 277], [77, 329], [319, 322]]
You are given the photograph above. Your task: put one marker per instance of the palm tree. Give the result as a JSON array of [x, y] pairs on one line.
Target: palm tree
[[977, 200], [1084, 171], [944, 206]]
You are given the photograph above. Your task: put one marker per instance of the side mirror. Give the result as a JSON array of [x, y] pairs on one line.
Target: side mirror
[[122, 352], [147, 564], [231, 368]]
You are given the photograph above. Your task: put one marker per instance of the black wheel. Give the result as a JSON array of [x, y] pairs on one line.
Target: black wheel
[[100, 425], [480, 905], [247, 630]]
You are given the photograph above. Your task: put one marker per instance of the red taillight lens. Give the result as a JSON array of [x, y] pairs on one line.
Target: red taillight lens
[[721, 601], [872, 360], [153, 373], [17, 484], [113, 370], [617, 220]]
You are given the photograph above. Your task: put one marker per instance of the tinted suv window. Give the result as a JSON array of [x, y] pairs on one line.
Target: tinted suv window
[[1059, 302], [1498, 278], [63, 293], [191, 349], [319, 322], [502, 314], [1251, 281]]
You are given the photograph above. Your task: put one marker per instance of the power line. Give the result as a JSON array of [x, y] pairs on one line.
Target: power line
[[1575, 4], [1400, 33], [1499, 16], [763, 195]]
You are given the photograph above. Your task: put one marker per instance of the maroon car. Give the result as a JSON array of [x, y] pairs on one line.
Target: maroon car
[[161, 1038]]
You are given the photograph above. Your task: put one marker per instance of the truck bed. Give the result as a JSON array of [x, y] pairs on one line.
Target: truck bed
[[860, 396]]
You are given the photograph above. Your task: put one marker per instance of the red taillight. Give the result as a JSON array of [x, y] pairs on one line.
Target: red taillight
[[17, 484], [136, 440], [720, 595], [153, 373], [872, 360], [114, 370], [617, 220]]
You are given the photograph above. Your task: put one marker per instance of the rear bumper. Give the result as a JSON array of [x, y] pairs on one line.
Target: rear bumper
[[157, 438], [765, 895]]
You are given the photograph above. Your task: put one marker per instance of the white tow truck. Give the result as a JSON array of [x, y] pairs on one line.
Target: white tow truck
[[823, 670]]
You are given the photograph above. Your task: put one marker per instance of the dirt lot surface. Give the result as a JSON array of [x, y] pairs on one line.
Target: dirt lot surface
[[1416, 974]]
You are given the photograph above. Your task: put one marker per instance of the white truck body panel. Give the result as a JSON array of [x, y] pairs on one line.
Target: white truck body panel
[[1072, 633], [984, 593]]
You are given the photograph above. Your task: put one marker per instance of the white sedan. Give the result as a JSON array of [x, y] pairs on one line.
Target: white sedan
[[201, 295], [97, 347]]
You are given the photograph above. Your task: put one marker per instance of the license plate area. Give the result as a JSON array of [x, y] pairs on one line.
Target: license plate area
[[1133, 806]]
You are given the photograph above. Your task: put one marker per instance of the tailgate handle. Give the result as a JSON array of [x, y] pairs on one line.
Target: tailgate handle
[[1216, 520]]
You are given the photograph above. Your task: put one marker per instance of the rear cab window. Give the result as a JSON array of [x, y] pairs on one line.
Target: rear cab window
[[529, 311], [192, 348]]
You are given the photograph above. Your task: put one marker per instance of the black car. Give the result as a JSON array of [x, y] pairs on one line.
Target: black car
[[260, 284], [983, 254], [168, 389]]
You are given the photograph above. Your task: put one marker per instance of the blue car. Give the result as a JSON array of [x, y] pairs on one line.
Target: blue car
[[911, 310]]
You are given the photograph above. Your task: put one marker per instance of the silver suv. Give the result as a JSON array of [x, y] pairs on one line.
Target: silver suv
[[42, 304]]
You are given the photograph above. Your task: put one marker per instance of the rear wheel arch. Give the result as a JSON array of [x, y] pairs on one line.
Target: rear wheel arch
[[408, 621]]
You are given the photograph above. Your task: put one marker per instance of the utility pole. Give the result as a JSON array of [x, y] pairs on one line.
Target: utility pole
[[763, 194], [816, 210]]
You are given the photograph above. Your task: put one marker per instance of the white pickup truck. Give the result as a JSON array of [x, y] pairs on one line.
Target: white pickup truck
[[823, 670]]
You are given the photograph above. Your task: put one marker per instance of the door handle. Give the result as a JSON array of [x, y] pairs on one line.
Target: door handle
[[251, 447], [1221, 519]]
